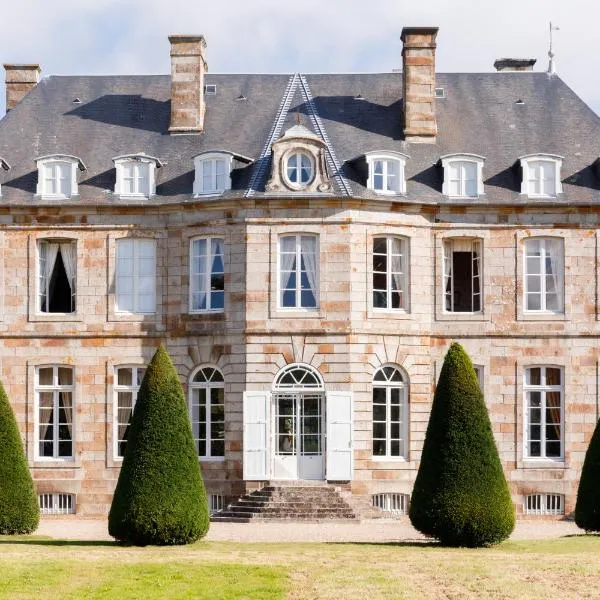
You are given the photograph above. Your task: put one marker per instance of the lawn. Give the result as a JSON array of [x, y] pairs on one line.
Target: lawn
[[41, 568]]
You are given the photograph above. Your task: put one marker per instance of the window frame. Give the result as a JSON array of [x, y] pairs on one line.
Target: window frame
[[38, 277], [55, 389], [134, 389], [543, 388], [387, 156], [450, 160], [151, 164], [405, 253], [298, 287], [543, 293], [449, 241], [135, 276], [211, 157], [297, 153], [208, 274], [527, 163], [54, 161], [404, 422], [208, 386]]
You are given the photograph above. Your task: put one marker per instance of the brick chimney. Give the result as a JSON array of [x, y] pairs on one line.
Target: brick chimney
[[188, 67], [19, 80], [418, 83]]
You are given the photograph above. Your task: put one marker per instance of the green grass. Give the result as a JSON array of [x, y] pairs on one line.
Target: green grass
[[43, 568]]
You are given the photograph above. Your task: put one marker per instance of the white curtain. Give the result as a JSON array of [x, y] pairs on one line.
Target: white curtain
[[49, 252], [555, 250], [397, 265], [288, 259], [69, 258], [308, 249], [65, 401]]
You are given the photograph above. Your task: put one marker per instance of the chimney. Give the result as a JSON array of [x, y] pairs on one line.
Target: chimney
[[188, 67], [514, 64], [19, 80], [418, 83]]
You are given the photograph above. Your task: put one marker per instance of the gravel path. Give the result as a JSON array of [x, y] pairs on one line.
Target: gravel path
[[379, 530]]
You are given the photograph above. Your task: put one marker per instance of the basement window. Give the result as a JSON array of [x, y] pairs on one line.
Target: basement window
[[57, 504], [217, 503], [57, 265], [396, 504], [462, 275], [544, 504]]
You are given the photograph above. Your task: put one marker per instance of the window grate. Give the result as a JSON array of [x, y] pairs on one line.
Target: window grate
[[57, 504], [394, 503], [544, 504], [216, 503]]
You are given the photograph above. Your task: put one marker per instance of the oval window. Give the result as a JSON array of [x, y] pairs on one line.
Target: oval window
[[299, 168]]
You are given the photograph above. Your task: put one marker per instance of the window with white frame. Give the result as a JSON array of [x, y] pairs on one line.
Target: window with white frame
[[298, 271], [462, 275], [207, 275], [386, 173], [57, 176], [544, 275], [135, 275], [57, 274], [299, 169], [544, 504], [479, 374], [54, 412], [207, 409], [127, 381], [394, 503], [57, 504], [463, 175], [390, 413], [212, 173], [136, 175], [541, 175], [544, 402], [390, 273]]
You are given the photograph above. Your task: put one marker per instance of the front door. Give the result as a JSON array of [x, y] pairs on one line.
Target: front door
[[298, 438]]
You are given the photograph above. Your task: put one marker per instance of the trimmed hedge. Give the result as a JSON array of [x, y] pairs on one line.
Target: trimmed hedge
[[587, 509], [460, 495], [160, 497], [19, 508]]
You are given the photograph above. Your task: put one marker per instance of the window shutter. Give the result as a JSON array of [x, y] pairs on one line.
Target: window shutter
[[339, 436], [256, 436]]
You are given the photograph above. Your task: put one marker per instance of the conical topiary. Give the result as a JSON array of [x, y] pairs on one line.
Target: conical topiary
[[160, 496], [587, 509], [19, 508], [460, 495]]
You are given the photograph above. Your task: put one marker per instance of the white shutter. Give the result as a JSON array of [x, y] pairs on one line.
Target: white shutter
[[339, 436], [256, 435]]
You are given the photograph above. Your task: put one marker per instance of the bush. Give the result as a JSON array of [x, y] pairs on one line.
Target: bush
[[460, 495], [19, 508], [160, 497], [587, 509]]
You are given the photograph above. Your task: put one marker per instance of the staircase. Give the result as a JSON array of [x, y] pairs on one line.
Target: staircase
[[288, 503]]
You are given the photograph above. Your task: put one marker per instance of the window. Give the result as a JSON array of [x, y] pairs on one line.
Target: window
[[390, 273], [57, 504], [386, 173], [135, 175], [462, 275], [57, 273], [541, 175], [390, 414], [136, 276], [397, 504], [299, 169], [463, 175], [57, 176], [216, 503], [544, 504], [544, 275], [298, 271], [207, 407], [6, 167], [543, 413], [54, 414], [479, 374], [126, 387], [206, 275], [212, 173]]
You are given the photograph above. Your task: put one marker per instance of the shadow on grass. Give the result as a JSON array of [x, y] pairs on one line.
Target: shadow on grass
[[581, 535], [399, 544], [52, 542]]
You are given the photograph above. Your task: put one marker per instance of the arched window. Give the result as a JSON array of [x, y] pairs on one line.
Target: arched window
[[463, 175], [390, 413], [57, 176], [298, 376], [136, 175], [386, 172], [207, 412], [541, 175]]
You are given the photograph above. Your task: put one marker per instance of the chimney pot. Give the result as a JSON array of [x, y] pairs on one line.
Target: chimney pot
[[514, 64], [20, 79]]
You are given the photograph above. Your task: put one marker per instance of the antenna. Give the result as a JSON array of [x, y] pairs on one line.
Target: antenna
[[551, 65]]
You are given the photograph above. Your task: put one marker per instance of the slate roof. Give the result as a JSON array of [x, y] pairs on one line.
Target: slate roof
[[480, 114]]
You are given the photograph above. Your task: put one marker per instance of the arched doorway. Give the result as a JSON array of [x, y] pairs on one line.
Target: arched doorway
[[298, 407]]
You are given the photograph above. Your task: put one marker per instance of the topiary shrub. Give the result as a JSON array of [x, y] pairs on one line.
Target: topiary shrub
[[19, 508], [587, 509], [460, 495], [160, 497]]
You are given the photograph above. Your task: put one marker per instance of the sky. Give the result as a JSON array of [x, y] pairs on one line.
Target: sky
[[95, 37]]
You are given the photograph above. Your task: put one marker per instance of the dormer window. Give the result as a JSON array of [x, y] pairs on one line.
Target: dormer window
[[136, 175], [463, 175], [541, 175], [57, 176], [386, 172], [213, 173], [299, 169], [4, 166]]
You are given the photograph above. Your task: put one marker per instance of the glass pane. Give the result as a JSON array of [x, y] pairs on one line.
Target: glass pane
[[535, 449], [379, 393], [553, 376], [534, 376], [378, 447], [395, 448], [380, 299], [217, 448], [46, 399], [535, 399], [124, 376], [45, 376], [534, 283], [379, 412], [379, 430], [553, 449]]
